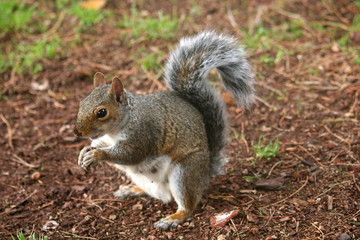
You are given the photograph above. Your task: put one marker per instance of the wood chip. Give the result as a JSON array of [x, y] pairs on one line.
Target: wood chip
[[221, 219], [330, 202], [270, 184]]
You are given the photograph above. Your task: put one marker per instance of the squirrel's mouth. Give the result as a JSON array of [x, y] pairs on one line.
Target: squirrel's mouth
[[95, 136]]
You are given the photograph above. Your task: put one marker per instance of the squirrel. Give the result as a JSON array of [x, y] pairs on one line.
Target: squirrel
[[170, 142]]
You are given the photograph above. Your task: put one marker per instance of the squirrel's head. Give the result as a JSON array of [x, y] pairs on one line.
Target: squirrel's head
[[101, 112]]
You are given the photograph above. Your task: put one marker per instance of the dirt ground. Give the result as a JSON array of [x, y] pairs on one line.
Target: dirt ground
[[308, 97]]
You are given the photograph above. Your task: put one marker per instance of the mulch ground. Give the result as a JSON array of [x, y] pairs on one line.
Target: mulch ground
[[308, 100]]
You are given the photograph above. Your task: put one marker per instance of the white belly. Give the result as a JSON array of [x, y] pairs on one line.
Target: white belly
[[152, 176]]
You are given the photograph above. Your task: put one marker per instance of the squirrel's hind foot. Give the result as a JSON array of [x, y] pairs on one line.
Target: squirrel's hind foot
[[172, 220], [128, 191]]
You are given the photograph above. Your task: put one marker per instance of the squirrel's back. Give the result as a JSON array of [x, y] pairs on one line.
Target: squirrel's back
[[186, 72]]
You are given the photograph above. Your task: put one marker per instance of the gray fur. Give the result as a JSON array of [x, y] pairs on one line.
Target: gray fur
[[186, 72]]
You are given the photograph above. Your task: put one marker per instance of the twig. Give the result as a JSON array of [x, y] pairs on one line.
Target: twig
[[353, 107], [312, 156], [278, 163], [154, 78], [334, 185], [98, 65], [9, 130], [303, 160], [99, 200], [282, 200], [322, 234], [337, 136], [57, 24], [243, 137], [75, 235], [278, 92], [25, 199], [357, 186], [235, 229], [231, 18], [22, 161], [271, 216], [257, 20], [264, 102]]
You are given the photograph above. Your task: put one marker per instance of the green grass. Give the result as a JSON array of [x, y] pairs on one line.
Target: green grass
[[25, 58], [15, 16], [251, 179], [87, 17], [266, 151], [21, 236], [150, 61], [161, 27]]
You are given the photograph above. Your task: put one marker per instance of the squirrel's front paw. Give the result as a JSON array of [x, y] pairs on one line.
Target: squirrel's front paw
[[89, 156]]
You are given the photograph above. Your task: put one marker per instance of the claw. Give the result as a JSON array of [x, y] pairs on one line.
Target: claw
[[165, 223], [86, 157]]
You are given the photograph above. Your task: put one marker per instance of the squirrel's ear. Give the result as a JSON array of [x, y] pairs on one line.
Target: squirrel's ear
[[99, 79], [117, 90]]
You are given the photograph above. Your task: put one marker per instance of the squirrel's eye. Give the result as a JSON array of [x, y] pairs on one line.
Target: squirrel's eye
[[101, 113]]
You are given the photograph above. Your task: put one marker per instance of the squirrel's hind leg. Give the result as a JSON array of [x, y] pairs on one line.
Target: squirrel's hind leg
[[128, 191], [187, 181]]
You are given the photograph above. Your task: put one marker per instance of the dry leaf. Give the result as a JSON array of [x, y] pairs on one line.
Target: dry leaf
[[270, 184], [227, 98], [221, 219], [93, 4]]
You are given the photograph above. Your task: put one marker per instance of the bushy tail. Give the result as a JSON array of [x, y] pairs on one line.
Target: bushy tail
[[186, 72]]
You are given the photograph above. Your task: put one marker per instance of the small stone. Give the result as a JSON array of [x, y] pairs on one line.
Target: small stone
[[271, 237], [285, 219], [50, 225], [169, 235], [191, 225], [112, 217], [76, 171], [343, 236], [251, 218], [137, 206], [313, 168], [335, 47], [78, 188], [299, 202], [35, 176], [291, 149], [68, 205], [221, 237]]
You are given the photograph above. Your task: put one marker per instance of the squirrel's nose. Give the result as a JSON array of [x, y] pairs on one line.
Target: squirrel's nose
[[76, 132]]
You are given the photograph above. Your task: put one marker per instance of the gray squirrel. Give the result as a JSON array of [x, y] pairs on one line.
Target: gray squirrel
[[169, 143]]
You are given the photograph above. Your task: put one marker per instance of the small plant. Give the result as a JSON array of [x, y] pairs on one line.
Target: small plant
[[267, 59], [268, 151], [15, 16], [251, 179], [298, 107], [87, 17], [150, 61], [61, 4], [258, 38], [163, 26], [21, 236], [25, 58]]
